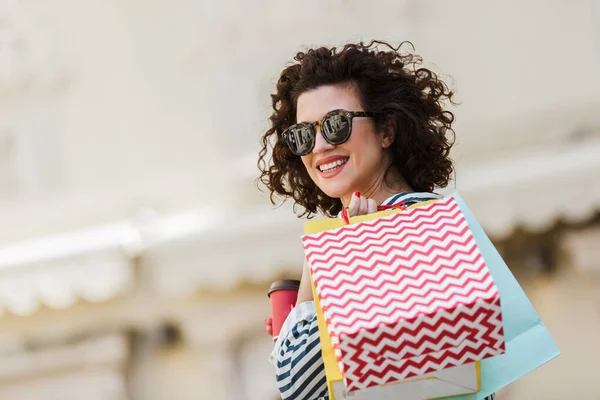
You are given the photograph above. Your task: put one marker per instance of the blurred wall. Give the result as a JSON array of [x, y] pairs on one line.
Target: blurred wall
[[133, 126]]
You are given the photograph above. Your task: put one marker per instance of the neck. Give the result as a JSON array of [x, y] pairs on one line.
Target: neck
[[380, 190]]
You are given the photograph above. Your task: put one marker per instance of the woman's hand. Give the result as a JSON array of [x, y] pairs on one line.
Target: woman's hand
[[361, 206], [269, 326]]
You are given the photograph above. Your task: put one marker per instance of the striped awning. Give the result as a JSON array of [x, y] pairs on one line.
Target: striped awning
[[60, 270], [535, 188]]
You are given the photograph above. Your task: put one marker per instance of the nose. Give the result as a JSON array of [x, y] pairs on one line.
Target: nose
[[321, 145]]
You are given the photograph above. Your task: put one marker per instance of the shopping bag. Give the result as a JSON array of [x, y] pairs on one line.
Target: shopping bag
[[528, 344], [406, 295]]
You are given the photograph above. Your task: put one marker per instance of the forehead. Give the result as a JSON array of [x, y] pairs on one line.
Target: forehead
[[315, 103]]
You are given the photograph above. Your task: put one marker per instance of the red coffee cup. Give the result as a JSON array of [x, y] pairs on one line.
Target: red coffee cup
[[283, 295]]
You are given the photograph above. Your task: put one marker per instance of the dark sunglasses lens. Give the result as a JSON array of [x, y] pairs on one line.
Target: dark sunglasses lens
[[300, 139], [336, 128]]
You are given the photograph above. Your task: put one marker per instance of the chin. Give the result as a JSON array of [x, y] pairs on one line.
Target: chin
[[336, 190]]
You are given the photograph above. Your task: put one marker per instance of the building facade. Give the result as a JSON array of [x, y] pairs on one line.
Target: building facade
[[136, 249]]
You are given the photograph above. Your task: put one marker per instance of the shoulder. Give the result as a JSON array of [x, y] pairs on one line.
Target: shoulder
[[410, 198]]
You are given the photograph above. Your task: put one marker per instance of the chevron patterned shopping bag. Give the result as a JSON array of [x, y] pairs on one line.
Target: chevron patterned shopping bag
[[527, 343], [406, 298]]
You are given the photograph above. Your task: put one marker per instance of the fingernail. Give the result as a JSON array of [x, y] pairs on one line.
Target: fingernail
[[357, 193]]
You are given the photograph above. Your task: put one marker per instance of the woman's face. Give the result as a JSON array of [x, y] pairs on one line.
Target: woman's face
[[357, 164]]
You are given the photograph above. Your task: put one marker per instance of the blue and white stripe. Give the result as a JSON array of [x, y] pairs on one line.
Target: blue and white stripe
[[300, 371]]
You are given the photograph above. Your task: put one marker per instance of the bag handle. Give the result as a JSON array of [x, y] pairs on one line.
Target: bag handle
[[400, 206]]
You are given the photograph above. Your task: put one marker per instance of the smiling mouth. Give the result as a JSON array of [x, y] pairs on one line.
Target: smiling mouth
[[332, 166]]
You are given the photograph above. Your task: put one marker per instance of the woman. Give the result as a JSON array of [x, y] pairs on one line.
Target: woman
[[358, 127]]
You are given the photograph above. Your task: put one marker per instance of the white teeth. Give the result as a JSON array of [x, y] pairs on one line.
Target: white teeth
[[332, 165]]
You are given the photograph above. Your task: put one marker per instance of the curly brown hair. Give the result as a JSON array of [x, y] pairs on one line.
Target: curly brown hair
[[390, 83]]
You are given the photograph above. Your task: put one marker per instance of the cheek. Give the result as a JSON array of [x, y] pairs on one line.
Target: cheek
[[307, 161], [365, 148]]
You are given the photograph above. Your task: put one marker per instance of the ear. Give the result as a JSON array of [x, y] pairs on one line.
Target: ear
[[388, 134]]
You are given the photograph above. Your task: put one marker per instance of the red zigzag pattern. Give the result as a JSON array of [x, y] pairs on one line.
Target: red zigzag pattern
[[405, 295]]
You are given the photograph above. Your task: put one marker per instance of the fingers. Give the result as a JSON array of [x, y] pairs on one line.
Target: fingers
[[354, 205], [361, 206], [371, 206], [269, 326]]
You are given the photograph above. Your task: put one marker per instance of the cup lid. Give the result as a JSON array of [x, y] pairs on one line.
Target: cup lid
[[285, 284]]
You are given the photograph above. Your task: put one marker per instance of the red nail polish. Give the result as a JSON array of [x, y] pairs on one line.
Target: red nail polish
[[357, 193]]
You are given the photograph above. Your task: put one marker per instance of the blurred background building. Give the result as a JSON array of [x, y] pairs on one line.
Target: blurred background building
[[135, 249]]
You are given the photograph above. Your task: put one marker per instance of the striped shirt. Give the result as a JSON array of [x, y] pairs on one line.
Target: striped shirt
[[300, 371]]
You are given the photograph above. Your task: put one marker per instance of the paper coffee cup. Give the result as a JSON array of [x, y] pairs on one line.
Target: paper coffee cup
[[283, 295]]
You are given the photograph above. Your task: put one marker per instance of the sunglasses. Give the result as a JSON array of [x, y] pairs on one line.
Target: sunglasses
[[336, 127]]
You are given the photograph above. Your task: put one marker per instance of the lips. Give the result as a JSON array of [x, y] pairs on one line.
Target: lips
[[331, 162], [331, 166]]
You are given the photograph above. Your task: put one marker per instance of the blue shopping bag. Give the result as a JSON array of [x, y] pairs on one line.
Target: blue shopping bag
[[528, 342]]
